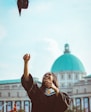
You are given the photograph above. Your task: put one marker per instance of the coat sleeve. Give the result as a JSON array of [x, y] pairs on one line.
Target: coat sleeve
[[61, 104], [30, 87], [27, 84]]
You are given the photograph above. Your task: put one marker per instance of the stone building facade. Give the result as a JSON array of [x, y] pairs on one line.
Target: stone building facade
[[12, 92]]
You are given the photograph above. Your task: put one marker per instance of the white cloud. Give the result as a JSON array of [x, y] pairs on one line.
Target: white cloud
[[49, 46], [52, 46]]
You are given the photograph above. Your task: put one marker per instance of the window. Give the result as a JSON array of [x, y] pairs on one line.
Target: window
[[78, 103], [8, 106], [62, 76], [69, 84], [84, 90], [1, 106], [14, 86], [27, 106], [6, 87], [69, 76], [8, 94], [17, 94], [20, 86], [76, 76], [63, 85], [86, 104], [0, 94], [18, 105], [76, 91]]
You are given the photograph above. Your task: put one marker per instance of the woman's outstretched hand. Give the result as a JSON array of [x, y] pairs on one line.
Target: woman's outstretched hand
[[26, 57]]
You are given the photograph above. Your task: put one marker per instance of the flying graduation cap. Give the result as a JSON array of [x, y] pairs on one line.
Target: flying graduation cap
[[22, 4]]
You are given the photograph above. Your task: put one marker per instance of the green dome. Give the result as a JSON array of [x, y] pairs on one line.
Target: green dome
[[67, 62]]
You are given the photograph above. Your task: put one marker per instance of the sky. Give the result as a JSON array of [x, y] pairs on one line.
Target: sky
[[42, 30]]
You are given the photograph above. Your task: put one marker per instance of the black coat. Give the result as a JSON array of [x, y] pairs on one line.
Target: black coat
[[40, 101]]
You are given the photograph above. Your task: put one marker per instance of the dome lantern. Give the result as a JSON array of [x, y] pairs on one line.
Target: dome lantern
[[66, 48]]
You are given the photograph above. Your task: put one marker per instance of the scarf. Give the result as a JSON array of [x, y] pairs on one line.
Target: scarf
[[49, 92]]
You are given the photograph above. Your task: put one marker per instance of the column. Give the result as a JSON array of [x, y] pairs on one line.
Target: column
[[90, 102], [74, 103], [82, 105], [71, 105], [4, 106], [13, 103], [22, 105], [30, 105]]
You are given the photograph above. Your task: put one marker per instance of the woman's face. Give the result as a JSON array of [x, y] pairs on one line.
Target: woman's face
[[48, 80]]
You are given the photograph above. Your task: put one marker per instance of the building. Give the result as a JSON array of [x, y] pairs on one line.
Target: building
[[81, 94], [12, 92], [73, 80]]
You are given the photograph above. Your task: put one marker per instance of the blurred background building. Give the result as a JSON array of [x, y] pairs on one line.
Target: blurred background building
[[72, 79]]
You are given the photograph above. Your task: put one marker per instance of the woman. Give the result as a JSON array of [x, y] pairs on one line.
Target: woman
[[47, 98]]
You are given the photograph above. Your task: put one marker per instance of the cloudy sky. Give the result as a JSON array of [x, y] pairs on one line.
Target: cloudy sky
[[42, 30]]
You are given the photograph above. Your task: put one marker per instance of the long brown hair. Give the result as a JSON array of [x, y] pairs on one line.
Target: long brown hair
[[55, 81]]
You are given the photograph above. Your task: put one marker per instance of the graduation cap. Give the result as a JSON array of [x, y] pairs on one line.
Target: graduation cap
[[22, 4]]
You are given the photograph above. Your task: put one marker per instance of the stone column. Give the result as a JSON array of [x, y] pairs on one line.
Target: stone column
[[82, 105], [13, 103], [30, 105], [90, 103], [4, 106], [74, 103], [22, 104], [71, 105]]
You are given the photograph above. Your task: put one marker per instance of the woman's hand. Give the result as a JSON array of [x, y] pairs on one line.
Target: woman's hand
[[50, 84], [26, 57], [55, 88]]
